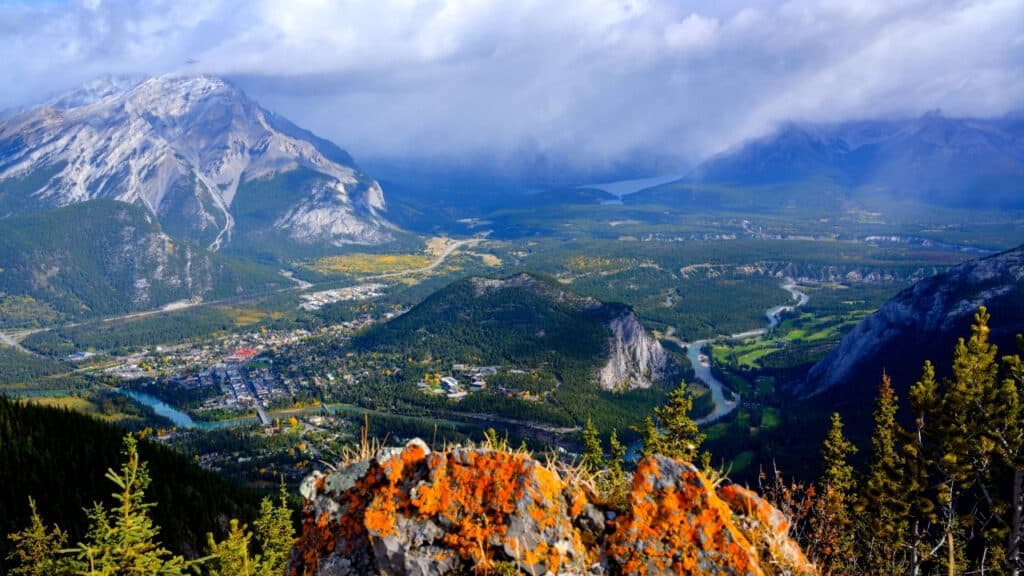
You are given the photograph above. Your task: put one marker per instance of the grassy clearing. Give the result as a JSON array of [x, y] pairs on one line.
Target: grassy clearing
[[74, 403], [488, 259], [437, 245], [248, 316], [360, 263], [752, 357]]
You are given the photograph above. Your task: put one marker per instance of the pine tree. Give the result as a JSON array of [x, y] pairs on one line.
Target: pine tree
[[122, 541], [882, 510], [950, 452], [36, 548], [275, 534], [652, 438], [954, 481], [680, 437], [832, 539], [231, 557], [618, 452], [671, 432], [593, 454], [1008, 431], [835, 452]]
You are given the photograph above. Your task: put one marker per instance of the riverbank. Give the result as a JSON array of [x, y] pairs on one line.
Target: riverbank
[[702, 363]]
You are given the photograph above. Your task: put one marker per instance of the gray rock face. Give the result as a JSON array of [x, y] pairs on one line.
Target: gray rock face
[[928, 313], [637, 360], [184, 146]]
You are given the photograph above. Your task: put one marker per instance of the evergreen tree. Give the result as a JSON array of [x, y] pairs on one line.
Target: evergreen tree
[[1008, 432], [952, 456], [672, 432], [652, 438], [36, 548], [831, 538], [616, 474], [682, 436], [953, 482], [882, 508], [835, 452], [593, 453], [275, 534], [231, 557], [122, 541]]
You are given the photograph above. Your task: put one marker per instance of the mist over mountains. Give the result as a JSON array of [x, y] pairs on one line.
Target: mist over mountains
[[958, 162]]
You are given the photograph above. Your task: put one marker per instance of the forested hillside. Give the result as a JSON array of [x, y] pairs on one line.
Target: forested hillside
[[60, 457], [526, 323], [105, 257]]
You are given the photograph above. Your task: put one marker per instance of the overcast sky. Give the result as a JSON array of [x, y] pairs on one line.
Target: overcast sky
[[585, 80]]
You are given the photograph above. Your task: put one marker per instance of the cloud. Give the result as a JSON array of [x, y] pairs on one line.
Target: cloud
[[587, 82], [692, 33]]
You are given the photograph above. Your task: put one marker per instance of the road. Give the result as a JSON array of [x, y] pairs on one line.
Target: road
[[13, 339], [300, 286], [448, 251]]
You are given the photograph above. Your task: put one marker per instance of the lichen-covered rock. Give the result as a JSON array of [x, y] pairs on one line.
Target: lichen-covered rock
[[477, 510], [767, 529], [677, 524]]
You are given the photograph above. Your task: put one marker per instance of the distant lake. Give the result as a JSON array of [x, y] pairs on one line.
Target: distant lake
[[622, 188]]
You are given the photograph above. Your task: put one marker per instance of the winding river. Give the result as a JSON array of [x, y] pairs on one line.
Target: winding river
[[702, 364]]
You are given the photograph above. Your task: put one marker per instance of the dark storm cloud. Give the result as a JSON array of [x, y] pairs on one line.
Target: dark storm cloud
[[591, 81]]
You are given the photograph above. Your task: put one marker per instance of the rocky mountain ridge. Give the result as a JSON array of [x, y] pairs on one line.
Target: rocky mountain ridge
[[635, 358], [416, 511], [185, 147], [932, 313]]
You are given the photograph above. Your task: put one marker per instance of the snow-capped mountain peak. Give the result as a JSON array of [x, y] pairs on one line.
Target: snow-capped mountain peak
[[183, 146]]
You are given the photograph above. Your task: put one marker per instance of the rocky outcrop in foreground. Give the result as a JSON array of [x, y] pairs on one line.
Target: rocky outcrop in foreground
[[413, 511]]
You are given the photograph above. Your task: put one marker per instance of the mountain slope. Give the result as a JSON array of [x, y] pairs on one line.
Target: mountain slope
[[189, 149], [59, 458], [103, 257], [527, 320], [933, 159], [921, 322]]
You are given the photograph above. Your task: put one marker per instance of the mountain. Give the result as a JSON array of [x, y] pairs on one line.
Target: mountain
[[526, 320], [922, 321], [104, 257], [486, 509], [958, 162], [205, 160]]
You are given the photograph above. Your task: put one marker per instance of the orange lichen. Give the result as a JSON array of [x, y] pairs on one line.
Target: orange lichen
[[675, 521], [768, 528], [677, 528], [479, 491]]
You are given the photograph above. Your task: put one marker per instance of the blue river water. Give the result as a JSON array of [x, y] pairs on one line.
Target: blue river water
[[177, 417]]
